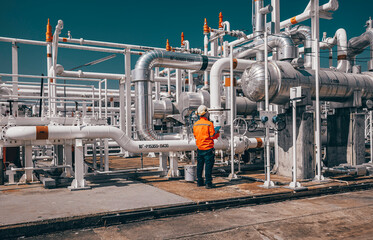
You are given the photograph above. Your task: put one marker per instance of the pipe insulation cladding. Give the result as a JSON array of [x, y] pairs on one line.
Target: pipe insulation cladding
[[357, 45], [141, 76], [286, 47], [334, 85], [31, 133]]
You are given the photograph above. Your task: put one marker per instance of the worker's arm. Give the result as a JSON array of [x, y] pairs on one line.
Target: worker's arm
[[213, 134]]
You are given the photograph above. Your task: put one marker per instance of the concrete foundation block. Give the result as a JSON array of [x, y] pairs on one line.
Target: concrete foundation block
[[305, 147]]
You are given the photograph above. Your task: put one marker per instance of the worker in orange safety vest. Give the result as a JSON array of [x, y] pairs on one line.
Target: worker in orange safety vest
[[204, 134]]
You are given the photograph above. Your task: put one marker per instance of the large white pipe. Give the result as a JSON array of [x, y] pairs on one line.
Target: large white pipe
[[28, 133], [332, 5], [215, 84], [339, 39]]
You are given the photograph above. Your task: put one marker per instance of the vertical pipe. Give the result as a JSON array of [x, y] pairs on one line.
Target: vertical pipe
[[168, 82], [100, 99], [49, 66], [111, 113], [294, 141], [225, 49], [276, 14], [105, 98], [232, 113], [84, 108], [128, 93], [206, 50], [259, 18], [157, 85], [178, 84], [259, 25], [93, 101], [1, 166], [190, 79], [122, 103], [41, 96], [275, 17], [101, 155], [371, 135], [15, 78], [106, 150], [316, 67], [193, 157], [94, 154], [268, 182]]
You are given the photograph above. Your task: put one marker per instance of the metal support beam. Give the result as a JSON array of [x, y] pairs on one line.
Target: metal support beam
[[127, 61], [15, 78], [178, 84], [29, 176], [94, 154], [173, 172], [68, 156], [79, 182], [316, 67], [371, 135], [106, 150]]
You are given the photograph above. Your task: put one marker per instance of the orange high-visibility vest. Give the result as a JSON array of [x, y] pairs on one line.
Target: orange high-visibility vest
[[204, 134]]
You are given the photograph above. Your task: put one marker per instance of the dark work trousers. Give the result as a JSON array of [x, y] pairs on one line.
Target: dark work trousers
[[205, 157]]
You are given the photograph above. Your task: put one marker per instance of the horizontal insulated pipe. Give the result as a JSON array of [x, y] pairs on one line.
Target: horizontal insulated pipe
[[332, 5], [141, 75], [286, 47], [92, 132], [80, 74], [334, 85], [60, 71]]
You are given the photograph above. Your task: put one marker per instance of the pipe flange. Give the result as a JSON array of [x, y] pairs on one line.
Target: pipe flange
[[3, 132]]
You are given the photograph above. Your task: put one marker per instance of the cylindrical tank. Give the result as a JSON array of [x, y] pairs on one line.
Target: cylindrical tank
[[162, 108], [334, 86], [192, 100]]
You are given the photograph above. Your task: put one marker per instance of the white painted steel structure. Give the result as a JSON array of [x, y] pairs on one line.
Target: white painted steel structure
[[146, 110]]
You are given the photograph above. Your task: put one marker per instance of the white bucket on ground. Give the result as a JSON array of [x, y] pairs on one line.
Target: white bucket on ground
[[190, 173]]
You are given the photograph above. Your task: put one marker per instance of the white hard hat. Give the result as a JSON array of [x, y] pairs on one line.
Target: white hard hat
[[201, 110]]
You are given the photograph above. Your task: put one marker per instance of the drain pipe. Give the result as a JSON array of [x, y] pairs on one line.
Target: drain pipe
[[32, 133], [143, 85]]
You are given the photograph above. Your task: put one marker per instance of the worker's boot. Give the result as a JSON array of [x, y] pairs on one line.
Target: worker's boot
[[200, 183], [209, 185]]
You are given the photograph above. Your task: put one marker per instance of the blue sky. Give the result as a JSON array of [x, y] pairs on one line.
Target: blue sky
[[145, 23]]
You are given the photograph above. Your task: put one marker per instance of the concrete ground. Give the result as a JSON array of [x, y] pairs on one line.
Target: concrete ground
[[28, 203], [28, 210], [339, 216]]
